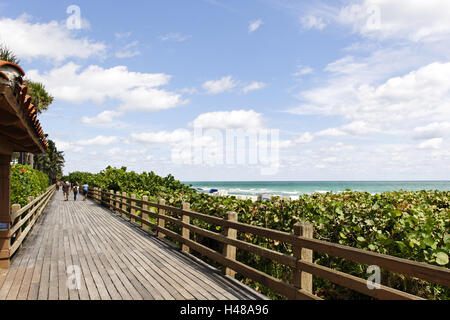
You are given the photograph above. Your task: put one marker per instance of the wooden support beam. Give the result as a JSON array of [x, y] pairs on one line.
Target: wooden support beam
[[185, 233], [5, 209], [229, 251], [301, 279], [144, 214], [161, 222]]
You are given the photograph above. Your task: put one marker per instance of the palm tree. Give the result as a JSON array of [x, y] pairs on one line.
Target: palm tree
[[50, 162], [8, 55], [39, 96]]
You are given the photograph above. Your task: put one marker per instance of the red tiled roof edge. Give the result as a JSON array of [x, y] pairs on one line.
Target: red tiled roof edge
[[24, 100]]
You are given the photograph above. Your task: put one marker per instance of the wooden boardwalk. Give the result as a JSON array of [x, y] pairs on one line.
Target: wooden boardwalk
[[112, 258]]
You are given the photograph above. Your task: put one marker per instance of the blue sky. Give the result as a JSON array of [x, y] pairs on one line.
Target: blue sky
[[355, 90]]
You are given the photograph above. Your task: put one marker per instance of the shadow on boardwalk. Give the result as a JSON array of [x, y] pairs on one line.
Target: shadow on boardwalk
[[81, 244]]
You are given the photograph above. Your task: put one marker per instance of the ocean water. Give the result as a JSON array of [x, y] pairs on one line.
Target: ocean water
[[295, 188]]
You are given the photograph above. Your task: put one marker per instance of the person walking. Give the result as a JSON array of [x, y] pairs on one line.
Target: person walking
[[75, 189], [85, 191], [66, 189], [58, 184]]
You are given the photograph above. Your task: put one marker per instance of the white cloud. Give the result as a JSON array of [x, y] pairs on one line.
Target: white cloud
[[177, 37], [355, 128], [218, 86], [432, 130], [312, 22], [171, 137], [435, 143], [415, 20], [106, 117], [304, 138], [397, 104], [67, 146], [303, 70], [98, 141], [50, 40], [237, 119], [254, 25], [253, 86], [134, 90]]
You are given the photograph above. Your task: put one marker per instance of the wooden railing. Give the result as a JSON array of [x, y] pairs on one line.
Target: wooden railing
[[301, 240], [23, 219]]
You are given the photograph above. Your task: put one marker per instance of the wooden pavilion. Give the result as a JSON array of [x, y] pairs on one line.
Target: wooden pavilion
[[20, 131]]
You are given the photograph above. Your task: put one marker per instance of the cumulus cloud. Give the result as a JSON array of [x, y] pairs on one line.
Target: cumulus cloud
[[432, 130], [237, 119], [304, 138], [51, 40], [106, 117], [134, 90], [415, 20], [355, 128], [397, 103], [435, 143], [219, 86], [98, 141]]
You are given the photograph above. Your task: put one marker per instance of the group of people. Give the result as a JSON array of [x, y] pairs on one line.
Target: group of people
[[74, 187]]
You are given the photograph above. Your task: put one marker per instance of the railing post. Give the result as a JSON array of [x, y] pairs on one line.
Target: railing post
[[124, 206], [185, 232], [100, 196], [132, 211], [14, 209], [30, 199], [117, 202], [229, 251], [5, 209], [301, 279], [144, 214], [111, 200], [161, 222]]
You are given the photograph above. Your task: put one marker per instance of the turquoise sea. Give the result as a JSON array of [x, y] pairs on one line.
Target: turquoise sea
[[296, 188]]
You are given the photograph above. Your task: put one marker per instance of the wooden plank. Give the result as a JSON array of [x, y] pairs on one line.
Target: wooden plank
[[153, 257], [33, 265], [93, 222], [275, 284]]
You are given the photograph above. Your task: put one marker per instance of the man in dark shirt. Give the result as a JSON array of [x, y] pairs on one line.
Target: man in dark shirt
[[66, 187]]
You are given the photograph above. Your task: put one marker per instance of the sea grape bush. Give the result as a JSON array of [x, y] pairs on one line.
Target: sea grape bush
[[406, 224], [26, 182]]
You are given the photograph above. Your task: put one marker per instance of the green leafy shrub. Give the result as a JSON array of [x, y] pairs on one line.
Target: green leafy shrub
[[26, 182]]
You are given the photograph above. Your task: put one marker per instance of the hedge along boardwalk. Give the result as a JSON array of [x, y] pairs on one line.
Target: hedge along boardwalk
[[115, 258]]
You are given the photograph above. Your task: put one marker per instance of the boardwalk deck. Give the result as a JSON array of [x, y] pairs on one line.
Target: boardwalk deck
[[115, 258]]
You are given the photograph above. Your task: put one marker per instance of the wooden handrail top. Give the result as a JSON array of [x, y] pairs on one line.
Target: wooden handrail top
[[14, 215], [416, 269]]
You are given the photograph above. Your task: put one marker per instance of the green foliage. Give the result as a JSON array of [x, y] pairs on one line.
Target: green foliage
[[409, 225], [39, 95], [7, 55], [50, 162], [26, 182]]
